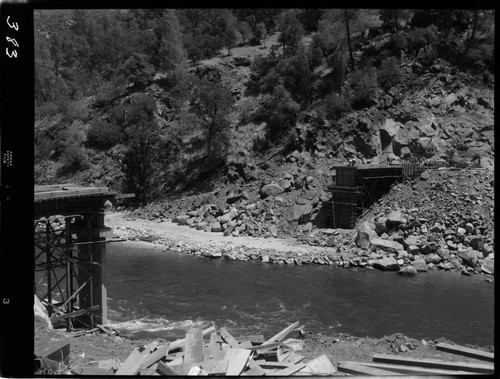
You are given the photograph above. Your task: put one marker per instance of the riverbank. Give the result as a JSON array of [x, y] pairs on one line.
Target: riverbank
[[88, 350], [172, 237]]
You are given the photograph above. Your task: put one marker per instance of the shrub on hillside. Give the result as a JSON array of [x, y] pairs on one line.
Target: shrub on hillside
[[103, 135], [389, 73], [421, 37], [74, 158], [363, 86], [336, 106]]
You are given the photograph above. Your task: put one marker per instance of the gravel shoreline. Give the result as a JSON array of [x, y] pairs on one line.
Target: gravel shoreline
[[181, 239]]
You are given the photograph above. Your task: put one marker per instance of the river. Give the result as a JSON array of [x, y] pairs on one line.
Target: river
[[155, 294]]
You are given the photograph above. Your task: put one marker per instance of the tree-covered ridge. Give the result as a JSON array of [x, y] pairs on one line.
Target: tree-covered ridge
[[124, 84]]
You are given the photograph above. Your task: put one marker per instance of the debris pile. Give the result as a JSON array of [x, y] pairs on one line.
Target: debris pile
[[223, 354], [443, 221]]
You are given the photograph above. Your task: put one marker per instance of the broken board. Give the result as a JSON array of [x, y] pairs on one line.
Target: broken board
[[467, 352], [238, 359], [53, 348], [193, 350], [482, 368]]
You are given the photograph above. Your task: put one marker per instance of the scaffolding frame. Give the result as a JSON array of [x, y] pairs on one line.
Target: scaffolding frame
[[59, 264]]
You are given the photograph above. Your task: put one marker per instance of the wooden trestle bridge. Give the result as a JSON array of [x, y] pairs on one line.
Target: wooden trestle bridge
[[70, 252]]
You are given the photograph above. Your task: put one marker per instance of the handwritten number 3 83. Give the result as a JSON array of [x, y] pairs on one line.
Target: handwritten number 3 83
[[12, 40]]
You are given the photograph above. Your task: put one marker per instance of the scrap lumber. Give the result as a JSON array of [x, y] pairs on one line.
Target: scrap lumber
[[258, 338], [294, 358], [482, 368], [166, 370], [279, 336], [193, 350], [131, 365], [213, 367], [255, 369], [268, 346], [466, 351], [238, 360], [268, 364], [180, 342], [354, 368], [282, 355], [155, 356], [229, 338], [414, 370], [319, 366], [149, 371], [290, 370], [102, 328]]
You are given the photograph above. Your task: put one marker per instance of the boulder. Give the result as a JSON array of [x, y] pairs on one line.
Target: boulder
[[408, 271], [301, 212], [477, 243], [469, 256], [386, 245], [42, 319], [433, 258], [488, 265], [181, 219], [216, 227], [386, 264], [365, 235], [271, 189], [394, 218], [412, 249], [380, 225], [419, 265], [412, 241], [225, 218]]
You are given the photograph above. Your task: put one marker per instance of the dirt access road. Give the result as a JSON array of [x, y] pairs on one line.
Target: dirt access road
[[125, 227]]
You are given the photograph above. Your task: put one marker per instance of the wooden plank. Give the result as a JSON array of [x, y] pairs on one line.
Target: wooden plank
[[290, 370], [155, 356], [294, 358], [282, 355], [245, 345], [466, 351], [166, 370], [258, 338], [131, 365], [193, 350], [229, 338], [215, 367], [79, 312], [279, 336], [49, 195], [354, 368], [265, 347], [269, 364], [149, 371], [255, 369], [181, 341], [113, 363], [482, 368], [238, 359], [414, 370], [177, 361], [319, 366]]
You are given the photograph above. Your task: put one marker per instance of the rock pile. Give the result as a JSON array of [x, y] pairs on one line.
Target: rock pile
[[444, 221]]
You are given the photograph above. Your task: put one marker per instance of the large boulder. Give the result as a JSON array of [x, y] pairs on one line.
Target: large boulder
[[387, 245], [231, 215], [271, 189], [387, 264], [488, 265], [216, 227], [408, 271], [42, 319], [181, 219], [394, 218], [301, 212], [419, 265], [469, 256], [380, 225], [365, 235]]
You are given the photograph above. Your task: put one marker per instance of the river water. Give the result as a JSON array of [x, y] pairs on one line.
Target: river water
[[154, 294]]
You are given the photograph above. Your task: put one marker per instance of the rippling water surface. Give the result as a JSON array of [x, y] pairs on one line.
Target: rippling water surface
[[158, 294]]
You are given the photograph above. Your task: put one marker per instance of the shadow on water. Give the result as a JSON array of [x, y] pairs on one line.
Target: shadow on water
[[168, 292]]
